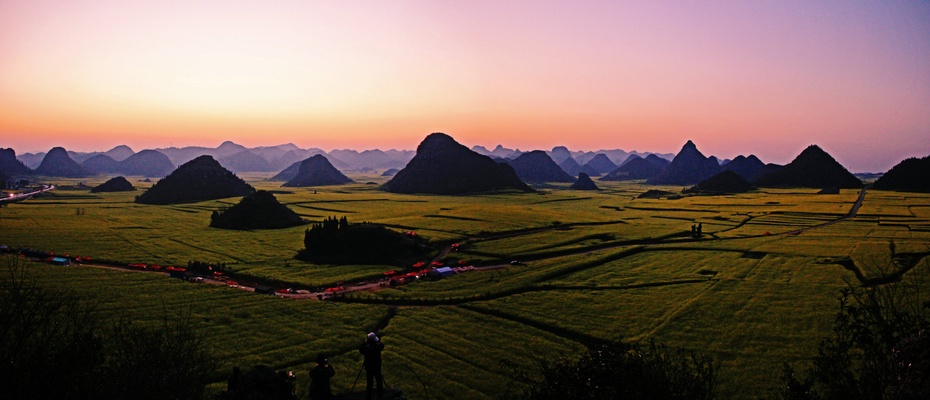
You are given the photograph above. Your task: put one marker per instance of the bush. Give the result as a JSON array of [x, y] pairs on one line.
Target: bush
[[879, 349], [621, 371], [55, 345]]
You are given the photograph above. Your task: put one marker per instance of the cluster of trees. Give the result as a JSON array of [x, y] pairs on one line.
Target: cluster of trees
[[338, 241], [54, 344]]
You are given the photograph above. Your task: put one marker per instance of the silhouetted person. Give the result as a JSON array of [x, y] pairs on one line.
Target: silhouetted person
[[286, 385], [232, 384], [372, 349], [700, 230], [319, 379]]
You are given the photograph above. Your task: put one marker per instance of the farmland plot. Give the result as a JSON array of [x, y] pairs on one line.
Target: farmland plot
[[757, 289]]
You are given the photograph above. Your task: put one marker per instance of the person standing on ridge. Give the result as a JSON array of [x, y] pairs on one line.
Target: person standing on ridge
[[372, 349], [319, 379]]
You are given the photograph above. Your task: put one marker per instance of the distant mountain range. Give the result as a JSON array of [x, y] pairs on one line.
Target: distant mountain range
[[441, 165]]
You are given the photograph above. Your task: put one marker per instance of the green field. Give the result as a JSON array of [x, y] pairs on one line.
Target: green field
[[758, 289]]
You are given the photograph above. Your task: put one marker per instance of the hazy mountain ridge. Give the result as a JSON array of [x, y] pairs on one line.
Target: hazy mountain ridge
[[691, 167]]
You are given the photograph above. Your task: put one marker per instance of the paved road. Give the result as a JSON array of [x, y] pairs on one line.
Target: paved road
[[15, 197]]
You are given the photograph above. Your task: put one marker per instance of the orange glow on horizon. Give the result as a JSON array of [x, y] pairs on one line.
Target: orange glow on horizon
[[736, 78]]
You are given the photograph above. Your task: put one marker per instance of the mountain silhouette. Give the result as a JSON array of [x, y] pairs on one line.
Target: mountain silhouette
[[317, 171], [910, 175], [119, 153], [202, 178], [536, 166], [148, 163], [259, 210], [10, 166], [687, 168], [117, 184], [638, 168], [749, 168], [584, 182], [58, 163], [588, 169], [570, 166], [288, 173], [559, 154], [601, 164], [813, 168], [721, 183], [245, 161], [101, 164], [443, 166]]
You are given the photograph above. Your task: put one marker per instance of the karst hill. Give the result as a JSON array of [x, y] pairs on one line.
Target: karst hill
[[202, 178], [443, 166], [749, 168], [584, 182], [813, 168], [537, 166], [637, 167], [58, 163], [117, 184], [687, 168], [910, 175], [10, 166], [726, 182], [317, 171], [259, 210]]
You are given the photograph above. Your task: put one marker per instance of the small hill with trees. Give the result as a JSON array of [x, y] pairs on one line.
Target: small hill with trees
[[537, 166], [813, 168], [443, 166], [259, 210], [584, 182], [317, 171], [339, 242], [910, 175], [58, 163], [722, 183], [118, 184], [197, 180]]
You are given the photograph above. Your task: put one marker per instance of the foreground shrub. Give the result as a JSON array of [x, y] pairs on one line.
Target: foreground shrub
[[879, 349], [622, 371], [55, 345]]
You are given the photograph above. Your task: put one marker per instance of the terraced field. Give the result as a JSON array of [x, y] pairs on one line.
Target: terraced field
[[759, 287]]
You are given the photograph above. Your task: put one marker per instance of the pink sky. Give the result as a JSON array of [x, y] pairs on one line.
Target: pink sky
[[736, 77]]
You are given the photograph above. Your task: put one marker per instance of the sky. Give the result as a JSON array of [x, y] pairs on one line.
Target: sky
[[736, 77]]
